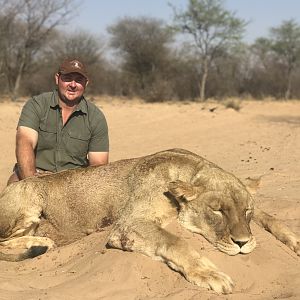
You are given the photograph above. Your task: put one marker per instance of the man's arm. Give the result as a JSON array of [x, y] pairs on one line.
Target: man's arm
[[26, 142], [98, 153], [98, 158]]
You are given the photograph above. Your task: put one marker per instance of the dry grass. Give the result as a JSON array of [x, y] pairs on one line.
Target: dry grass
[[233, 103]]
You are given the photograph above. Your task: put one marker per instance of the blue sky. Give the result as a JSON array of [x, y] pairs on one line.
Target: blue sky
[[95, 15]]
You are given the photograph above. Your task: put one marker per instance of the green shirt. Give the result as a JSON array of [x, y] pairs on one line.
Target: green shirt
[[59, 146]]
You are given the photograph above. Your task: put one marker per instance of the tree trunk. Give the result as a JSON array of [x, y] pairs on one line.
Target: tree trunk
[[15, 91], [287, 94], [203, 79]]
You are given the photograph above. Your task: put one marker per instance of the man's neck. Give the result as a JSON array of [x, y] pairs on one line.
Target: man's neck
[[68, 105]]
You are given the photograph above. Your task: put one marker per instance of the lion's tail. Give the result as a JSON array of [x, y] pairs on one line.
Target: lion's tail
[[30, 253]]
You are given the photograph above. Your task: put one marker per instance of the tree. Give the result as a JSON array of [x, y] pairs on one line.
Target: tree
[[278, 58], [266, 74], [212, 28], [9, 10], [229, 73], [81, 45], [286, 44], [184, 72], [262, 50], [89, 49], [61, 45], [31, 23], [143, 45]]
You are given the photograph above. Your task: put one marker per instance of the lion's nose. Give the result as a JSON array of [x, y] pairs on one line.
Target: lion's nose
[[239, 243]]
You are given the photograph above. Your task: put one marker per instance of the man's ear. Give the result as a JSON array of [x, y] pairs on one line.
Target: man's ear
[[56, 76], [183, 190]]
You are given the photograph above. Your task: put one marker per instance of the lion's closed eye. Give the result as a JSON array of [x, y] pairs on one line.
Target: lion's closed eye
[[248, 211], [218, 212]]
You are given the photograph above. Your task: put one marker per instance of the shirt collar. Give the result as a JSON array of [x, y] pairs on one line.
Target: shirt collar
[[80, 107]]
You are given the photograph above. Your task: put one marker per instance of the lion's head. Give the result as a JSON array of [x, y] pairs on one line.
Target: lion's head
[[220, 211]]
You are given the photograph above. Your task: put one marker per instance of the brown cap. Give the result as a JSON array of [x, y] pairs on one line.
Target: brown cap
[[73, 66]]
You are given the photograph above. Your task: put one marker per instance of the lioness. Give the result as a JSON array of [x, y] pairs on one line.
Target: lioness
[[139, 196]]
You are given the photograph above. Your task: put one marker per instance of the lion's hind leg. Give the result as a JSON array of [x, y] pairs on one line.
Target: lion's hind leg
[[150, 239], [278, 229]]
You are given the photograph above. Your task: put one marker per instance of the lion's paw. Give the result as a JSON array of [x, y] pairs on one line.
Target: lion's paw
[[296, 248], [208, 276], [211, 279], [294, 244]]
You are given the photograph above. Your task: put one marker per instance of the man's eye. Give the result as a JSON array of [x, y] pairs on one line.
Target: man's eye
[[66, 78], [79, 80]]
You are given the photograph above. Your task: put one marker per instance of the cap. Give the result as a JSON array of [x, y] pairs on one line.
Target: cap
[[73, 66]]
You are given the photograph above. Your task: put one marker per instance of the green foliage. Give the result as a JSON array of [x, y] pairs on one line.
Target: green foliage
[[286, 42], [211, 26]]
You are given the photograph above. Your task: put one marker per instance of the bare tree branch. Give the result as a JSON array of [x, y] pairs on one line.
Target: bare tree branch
[[28, 25]]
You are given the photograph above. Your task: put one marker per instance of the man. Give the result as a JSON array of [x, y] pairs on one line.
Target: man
[[61, 129]]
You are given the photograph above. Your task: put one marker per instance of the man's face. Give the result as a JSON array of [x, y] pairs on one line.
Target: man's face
[[70, 86]]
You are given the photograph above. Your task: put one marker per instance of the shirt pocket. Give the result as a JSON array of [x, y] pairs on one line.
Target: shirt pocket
[[47, 137], [77, 143]]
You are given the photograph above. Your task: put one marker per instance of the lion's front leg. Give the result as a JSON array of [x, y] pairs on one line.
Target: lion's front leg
[[278, 229], [150, 239]]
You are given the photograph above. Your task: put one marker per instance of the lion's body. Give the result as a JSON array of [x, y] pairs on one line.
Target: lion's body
[[139, 197]]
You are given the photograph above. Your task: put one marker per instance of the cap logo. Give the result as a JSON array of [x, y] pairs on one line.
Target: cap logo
[[73, 66]]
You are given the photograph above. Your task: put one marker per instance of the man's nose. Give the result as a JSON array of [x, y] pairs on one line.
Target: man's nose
[[73, 83]]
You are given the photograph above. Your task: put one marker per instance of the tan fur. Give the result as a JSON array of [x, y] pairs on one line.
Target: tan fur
[[139, 197]]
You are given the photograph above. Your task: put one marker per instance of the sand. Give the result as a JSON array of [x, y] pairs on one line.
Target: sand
[[263, 138]]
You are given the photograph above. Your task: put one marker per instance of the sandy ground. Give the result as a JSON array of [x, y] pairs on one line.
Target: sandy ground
[[263, 138]]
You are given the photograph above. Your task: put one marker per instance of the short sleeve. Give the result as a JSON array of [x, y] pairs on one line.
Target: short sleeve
[[30, 115], [99, 141]]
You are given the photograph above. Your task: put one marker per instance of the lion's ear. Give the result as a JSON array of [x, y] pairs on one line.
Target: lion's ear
[[252, 184], [180, 189]]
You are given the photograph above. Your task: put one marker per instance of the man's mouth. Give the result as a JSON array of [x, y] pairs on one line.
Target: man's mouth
[[71, 92]]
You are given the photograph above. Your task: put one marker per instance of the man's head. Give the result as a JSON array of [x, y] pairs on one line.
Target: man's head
[[71, 80]]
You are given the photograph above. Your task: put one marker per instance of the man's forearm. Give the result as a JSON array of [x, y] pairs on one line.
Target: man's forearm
[[26, 160], [26, 141]]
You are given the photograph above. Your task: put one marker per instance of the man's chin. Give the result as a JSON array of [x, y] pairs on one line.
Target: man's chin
[[72, 96], [71, 101]]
